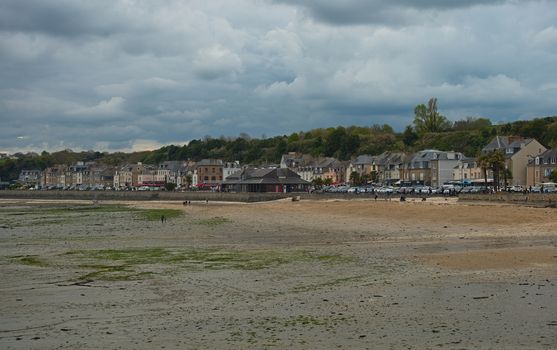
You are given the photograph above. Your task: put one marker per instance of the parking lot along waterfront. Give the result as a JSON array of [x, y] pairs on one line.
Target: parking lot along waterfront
[[303, 275]]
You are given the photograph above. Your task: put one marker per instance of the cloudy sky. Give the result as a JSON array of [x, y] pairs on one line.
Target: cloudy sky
[[136, 74]]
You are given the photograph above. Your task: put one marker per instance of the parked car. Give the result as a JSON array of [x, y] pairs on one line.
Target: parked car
[[472, 189], [385, 190], [405, 190], [423, 190]]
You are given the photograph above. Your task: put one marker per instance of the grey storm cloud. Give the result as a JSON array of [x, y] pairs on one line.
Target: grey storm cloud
[[134, 74], [379, 11], [61, 17]]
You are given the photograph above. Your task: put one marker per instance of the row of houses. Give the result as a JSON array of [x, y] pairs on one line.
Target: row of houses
[[528, 162], [208, 172], [427, 167]]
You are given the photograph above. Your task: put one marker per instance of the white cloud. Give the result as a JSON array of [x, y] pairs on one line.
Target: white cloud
[[145, 145], [546, 38], [135, 87], [282, 88], [111, 107], [217, 61]]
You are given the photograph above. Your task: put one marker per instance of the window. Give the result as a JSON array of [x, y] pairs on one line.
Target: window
[[546, 172], [553, 160]]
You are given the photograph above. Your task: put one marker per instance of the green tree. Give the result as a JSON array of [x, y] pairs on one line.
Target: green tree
[[409, 137], [497, 160], [553, 176], [170, 186], [355, 178], [189, 180], [374, 176], [471, 123], [494, 161], [335, 141], [507, 175], [427, 119], [485, 165], [317, 182]]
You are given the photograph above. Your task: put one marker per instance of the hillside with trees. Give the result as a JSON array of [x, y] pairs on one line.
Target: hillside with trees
[[430, 130]]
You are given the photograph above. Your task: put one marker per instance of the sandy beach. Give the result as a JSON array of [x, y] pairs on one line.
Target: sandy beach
[[359, 274]]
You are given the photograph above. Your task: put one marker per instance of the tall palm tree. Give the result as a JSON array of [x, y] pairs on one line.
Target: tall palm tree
[[484, 163], [494, 161], [497, 160]]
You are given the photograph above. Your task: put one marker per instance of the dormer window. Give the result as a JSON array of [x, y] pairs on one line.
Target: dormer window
[[510, 150], [537, 160]]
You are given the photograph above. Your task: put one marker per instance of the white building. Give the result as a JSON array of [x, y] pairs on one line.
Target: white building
[[230, 168]]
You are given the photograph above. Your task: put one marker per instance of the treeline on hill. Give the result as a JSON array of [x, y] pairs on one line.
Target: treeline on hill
[[468, 136]]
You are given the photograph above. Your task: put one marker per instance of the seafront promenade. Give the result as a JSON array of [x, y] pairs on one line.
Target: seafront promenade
[[536, 199]]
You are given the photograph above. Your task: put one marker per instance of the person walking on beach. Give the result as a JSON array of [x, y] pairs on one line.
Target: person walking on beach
[[163, 219]]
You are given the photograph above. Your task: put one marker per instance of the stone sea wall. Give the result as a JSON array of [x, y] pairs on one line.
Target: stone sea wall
[[542, 199], [532, 198], [144, 195]]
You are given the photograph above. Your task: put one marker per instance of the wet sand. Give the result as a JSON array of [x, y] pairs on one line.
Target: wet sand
[[354, 274]]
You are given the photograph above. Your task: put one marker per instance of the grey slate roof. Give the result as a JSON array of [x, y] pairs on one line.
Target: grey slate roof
[[365, 159], [520, 143], [265, 176], [498, 142], [172, 165], [505, 142], [204, 162], [550, 153], [422, 158]]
